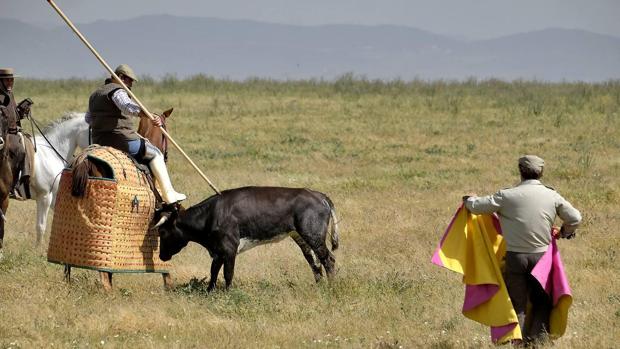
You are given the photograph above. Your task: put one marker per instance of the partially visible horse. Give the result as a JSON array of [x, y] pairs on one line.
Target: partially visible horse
[[6, 176], [64, 136], [154, 134]]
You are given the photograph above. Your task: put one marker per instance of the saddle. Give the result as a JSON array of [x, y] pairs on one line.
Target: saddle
[[23, 167], [107, 228]]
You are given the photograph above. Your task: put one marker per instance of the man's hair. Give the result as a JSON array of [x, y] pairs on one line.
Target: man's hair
[[528, 173]]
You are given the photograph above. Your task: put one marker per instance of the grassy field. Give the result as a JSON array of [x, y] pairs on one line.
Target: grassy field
[[394, 157]]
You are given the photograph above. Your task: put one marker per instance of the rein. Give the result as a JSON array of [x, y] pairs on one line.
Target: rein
[[29, 117], [47, 140]]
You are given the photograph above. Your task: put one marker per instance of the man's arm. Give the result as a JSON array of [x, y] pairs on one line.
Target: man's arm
[[484, 204], [571, 218], [125, 104], [129, 107]]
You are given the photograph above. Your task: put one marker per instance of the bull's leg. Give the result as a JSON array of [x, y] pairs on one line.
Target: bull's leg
[[327, 259], [313, 229], [307, 251], [216, 265], [229, 269]]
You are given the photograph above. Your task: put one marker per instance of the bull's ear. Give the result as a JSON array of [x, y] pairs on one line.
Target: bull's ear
[[167, 113]]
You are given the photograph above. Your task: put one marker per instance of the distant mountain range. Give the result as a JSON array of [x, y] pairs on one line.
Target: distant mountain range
[[240, 49]]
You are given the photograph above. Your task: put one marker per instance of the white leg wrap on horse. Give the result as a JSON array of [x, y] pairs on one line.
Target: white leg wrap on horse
[[159, 170]]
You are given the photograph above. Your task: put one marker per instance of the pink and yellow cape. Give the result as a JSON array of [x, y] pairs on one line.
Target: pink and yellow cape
[[473, 246]]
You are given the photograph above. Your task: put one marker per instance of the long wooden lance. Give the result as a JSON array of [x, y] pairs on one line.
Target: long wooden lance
[[133, 96]]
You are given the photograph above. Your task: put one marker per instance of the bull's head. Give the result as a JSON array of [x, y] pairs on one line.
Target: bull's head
[[171, 237]]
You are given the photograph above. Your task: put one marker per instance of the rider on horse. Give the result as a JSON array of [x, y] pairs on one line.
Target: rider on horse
[[21, 151], [110, 115]]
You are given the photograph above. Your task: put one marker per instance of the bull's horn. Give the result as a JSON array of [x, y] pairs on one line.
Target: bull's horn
[[162, 220]]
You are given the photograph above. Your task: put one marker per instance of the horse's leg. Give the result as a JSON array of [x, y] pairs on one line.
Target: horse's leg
[[67, 273], [3, 205], [44, 203], [106, 280], [167, 281]]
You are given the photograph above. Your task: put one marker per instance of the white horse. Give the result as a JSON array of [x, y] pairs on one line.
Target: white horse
[[64, 135]]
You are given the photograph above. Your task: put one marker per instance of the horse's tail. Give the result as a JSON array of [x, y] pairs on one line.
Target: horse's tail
[[333, 234], [81, 169]]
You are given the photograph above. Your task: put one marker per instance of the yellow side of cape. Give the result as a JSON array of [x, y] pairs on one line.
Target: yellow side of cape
[[473, 247]]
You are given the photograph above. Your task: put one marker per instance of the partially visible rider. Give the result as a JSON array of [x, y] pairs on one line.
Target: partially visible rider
[[20, 149], [110, 115]]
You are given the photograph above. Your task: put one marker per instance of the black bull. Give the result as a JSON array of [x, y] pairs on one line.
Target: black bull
[[239, 219]]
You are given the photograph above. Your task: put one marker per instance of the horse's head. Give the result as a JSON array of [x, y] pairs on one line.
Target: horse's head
[[154, 134]]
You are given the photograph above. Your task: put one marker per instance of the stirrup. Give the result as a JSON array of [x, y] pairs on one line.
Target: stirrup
[[14, 194]]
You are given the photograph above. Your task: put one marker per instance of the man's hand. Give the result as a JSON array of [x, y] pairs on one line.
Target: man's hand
[[465, 197], [566, 235], [156, 120], [23, 108]]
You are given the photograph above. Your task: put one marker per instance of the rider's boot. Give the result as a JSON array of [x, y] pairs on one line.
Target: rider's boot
[[160, 172]]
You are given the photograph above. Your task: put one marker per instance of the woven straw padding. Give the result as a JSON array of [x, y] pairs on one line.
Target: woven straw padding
[[107, 229]]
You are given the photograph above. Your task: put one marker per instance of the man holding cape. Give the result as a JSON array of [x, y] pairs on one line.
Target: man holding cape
[[526, 214]]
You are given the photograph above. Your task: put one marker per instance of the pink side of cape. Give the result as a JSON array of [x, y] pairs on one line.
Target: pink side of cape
[[478, 294], [497, 332], [549, 271]]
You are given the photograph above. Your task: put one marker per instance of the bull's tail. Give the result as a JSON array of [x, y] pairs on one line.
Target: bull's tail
[[333, 234]]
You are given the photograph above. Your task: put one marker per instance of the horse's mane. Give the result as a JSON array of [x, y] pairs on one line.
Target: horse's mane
[[65, 117]]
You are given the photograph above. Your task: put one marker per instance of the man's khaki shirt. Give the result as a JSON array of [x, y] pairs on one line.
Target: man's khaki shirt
[[526, 214]]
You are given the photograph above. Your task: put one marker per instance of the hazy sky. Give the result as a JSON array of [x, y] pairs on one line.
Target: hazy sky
[[472, 19]]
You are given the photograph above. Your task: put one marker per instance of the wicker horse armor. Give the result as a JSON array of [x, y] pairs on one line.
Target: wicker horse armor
[[108, 228]]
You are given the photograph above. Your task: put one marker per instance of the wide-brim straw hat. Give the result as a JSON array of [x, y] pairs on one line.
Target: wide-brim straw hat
[[7, 73]]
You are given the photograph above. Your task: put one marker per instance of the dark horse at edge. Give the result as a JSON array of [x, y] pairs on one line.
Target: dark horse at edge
[[6, 176]]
